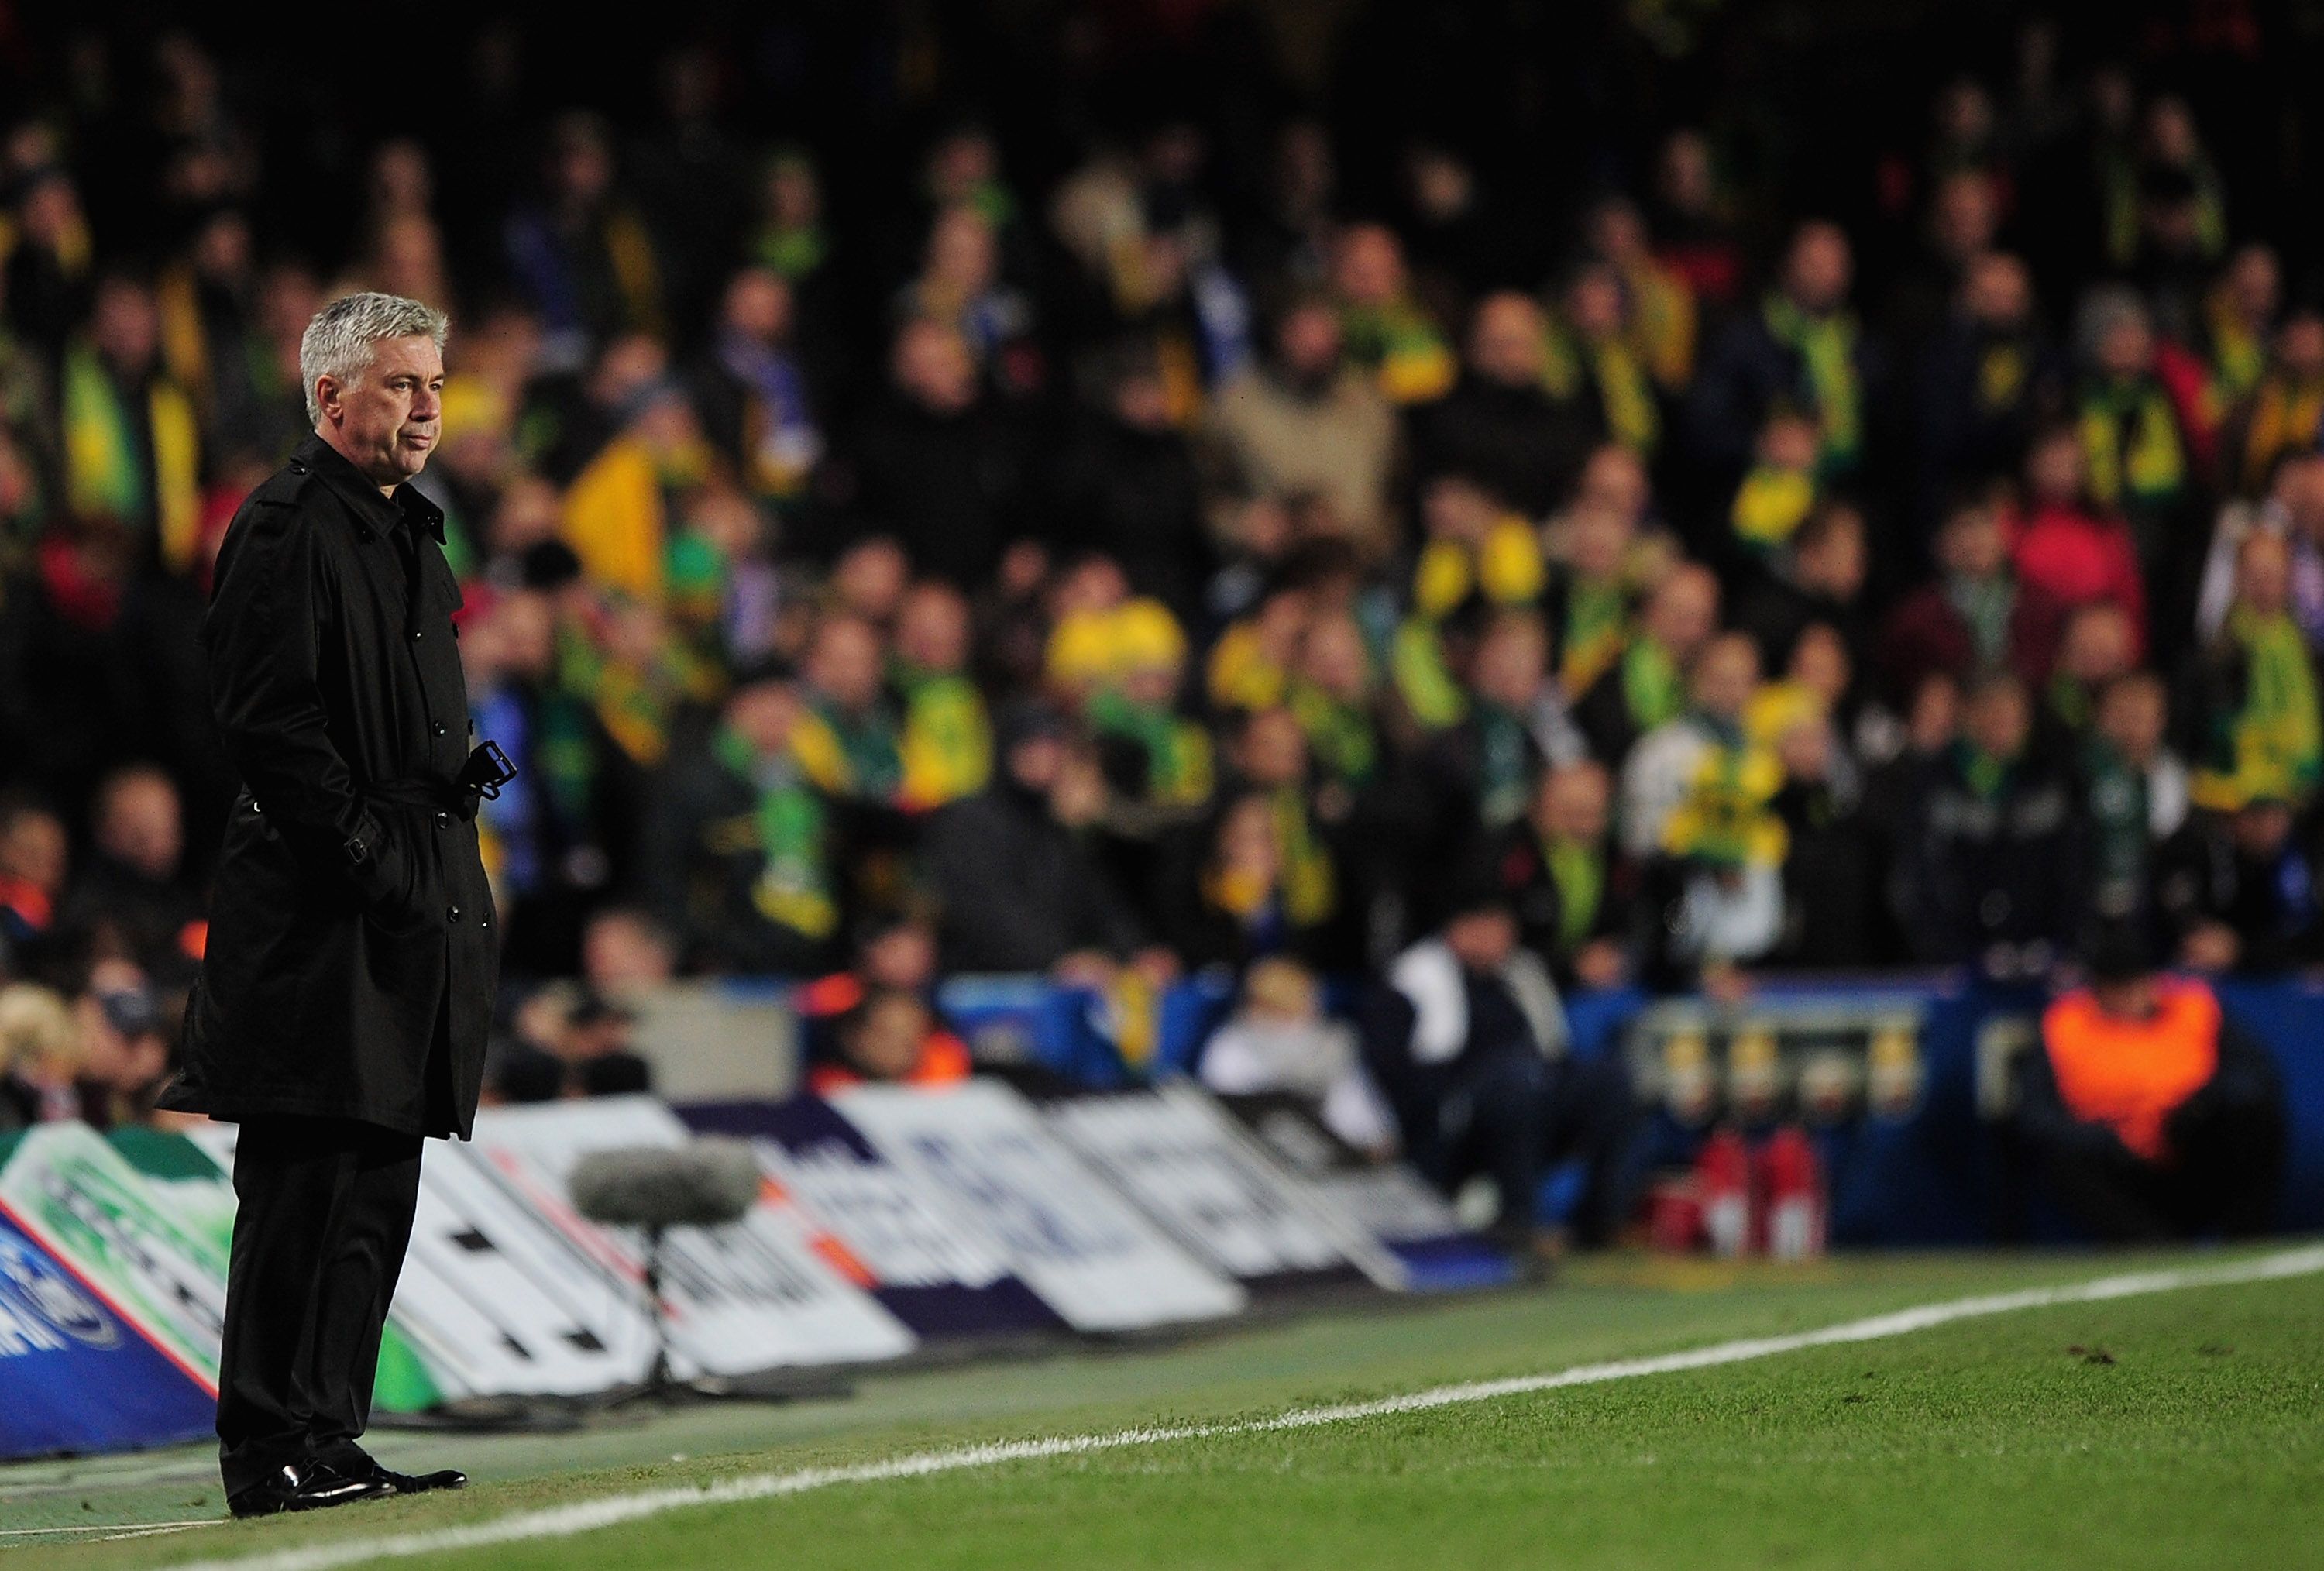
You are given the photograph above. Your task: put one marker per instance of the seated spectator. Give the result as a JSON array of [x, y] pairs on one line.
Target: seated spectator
[[1238, 901], [1481, 771], [625, 950], [1698, 817], [1279, 1039], [2236, 893], [41, 1056], [1567, 884], [1801, 350], [1990, 862], [1387, 331], [1128, 486], [1303, 421], [891, 1037], [2151, 1115], [2254, 687], [1268, 756], [1155, 758], [2062, 544], [1335, 694], [2293, 510], [1466, 1041], [130, 899], [2137, 419], [2135, 791], [1988, 379], [947, 735], [33, 862], [2098, 646], [1500, 426], [1978, 614], [2284, 413], [753, 390], [1593, 357], [846, 742], [1646, 688], [740, 852], [124, 1045], [571, 1041], [1592, 601], [1820, 580], [1017, 888]]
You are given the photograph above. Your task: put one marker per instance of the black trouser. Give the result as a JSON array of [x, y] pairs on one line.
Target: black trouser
[[2224, 1172], [325, 1214], [1513, 1114]]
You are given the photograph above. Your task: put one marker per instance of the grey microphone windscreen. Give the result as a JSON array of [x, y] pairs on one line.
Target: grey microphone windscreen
[[699, 1184]]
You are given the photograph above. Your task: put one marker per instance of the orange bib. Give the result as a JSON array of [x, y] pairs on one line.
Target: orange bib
[[2129, 1074]]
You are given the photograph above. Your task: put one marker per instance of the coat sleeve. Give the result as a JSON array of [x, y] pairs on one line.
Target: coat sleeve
[[264, 639]]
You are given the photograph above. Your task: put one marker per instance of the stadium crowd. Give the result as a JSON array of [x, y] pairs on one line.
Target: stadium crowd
[[1194, 539]]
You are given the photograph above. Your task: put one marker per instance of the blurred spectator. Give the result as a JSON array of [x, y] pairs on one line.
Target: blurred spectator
[[1499, 427], [1466, 1041], [129, 899], [1991, 864], [1989, 379], [2293, 512], [1802, 351], [570, 1041], [32, 862], [1305, 421], [891, 1037], [1569, 887], [2281, 415], [2254, 687], [1279, 1039], [936, 465], [2149, 1111], [2062, 545], [754, 392], [582, 255], [133, 443], [1128, 487], [1017, 888], [740, 859], [1977, 615], [2236, 893], [41, 1056], [124, 1045]]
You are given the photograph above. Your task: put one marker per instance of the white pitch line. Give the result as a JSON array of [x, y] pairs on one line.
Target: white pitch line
[[587, 1516]]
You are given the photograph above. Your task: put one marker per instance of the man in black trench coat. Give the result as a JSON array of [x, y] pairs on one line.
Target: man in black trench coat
[[341, 1008]]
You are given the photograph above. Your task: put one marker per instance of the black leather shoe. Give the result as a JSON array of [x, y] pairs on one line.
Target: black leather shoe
[[422, 1482], [304, 1486], [353, 1460]]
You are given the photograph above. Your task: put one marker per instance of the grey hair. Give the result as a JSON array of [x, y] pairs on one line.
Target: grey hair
[[339, 342]]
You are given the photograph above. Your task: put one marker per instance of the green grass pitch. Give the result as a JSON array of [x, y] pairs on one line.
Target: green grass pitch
[[2181, 1429]]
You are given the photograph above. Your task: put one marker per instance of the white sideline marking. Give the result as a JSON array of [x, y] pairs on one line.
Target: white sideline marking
[[587, 1516]]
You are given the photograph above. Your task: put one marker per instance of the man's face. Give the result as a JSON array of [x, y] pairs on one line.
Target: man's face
[[1817, 276], [1504, 341], [2262, 828], [2264, 577], [142, 827], [1482, 940], [845, 664], [1724, 680], [1998, 719], [1309, 343], [387, 418], [1973, 545], [1574, 803]]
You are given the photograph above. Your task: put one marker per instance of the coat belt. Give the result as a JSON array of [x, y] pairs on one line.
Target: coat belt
[[427, 795]]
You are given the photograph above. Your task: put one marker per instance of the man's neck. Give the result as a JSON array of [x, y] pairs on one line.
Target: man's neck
[[331, 441]]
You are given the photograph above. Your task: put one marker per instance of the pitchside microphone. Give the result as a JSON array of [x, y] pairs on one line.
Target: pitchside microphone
[[698, 1185], [701, 1184]]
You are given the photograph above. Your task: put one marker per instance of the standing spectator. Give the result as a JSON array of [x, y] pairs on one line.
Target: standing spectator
[[582, 255], [946, 740], [2236, 893], [1128, 487], [1566, 884], [2282, 417], [1388, 332], [2066, 545], [754, 394], [1989, 379], [1646, 687], [2254, 687], [1801, 350], [32, 866]]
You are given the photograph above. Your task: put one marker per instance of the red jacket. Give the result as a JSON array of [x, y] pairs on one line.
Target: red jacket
[[2076, 559]]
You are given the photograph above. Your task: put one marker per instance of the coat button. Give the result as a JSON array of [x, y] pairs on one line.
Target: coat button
[[443, 820], [415, 635], [437, 728], [452, 914]]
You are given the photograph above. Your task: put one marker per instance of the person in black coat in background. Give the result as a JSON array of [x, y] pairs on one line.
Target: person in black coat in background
[[347, 987]]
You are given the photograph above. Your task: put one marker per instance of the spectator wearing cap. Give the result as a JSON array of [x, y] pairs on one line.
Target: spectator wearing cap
[[1465, 1038], [2151, 1113], [740, 856], [1017, 888]]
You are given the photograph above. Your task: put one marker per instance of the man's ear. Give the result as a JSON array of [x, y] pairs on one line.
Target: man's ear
[[327, 394]]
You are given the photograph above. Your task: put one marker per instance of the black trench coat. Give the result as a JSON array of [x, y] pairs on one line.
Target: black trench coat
[[353, 948]]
